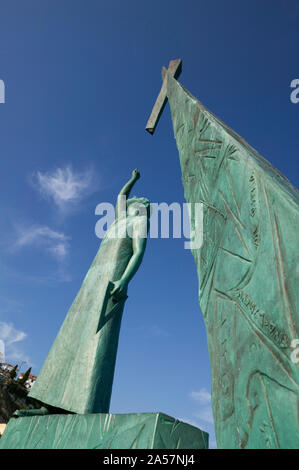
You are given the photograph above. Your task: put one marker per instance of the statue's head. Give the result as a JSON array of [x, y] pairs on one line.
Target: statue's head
[[138, 206]]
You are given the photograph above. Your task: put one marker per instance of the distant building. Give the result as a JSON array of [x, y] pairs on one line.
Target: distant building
[[6, 367], [2, 352], [30, 381]]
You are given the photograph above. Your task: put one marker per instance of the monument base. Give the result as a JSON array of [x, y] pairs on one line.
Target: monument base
[[102, 431]]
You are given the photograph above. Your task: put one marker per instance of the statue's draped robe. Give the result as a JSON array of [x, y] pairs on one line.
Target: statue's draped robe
[[248, 277], [77, 374]]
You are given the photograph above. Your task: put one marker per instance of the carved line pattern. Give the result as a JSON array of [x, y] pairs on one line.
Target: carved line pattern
[[280, 276]]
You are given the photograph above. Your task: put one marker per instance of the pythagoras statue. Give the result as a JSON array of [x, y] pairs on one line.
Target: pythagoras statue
[[247, 269], [75, 382], [81, 361]]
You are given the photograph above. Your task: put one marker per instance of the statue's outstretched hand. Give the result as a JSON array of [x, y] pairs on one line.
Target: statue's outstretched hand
[[135, 174]]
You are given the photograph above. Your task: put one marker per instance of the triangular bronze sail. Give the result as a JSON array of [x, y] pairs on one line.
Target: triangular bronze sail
[[247, 269]]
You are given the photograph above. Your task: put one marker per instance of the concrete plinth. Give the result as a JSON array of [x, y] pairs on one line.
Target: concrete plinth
[[102, 431]]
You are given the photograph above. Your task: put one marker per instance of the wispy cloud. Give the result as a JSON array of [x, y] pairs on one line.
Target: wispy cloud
[[65, 186], [9, 334], [11, 337], [56, 243], [202, 396]]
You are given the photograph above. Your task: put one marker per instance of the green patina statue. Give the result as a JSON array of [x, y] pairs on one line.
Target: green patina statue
[[77, 374]]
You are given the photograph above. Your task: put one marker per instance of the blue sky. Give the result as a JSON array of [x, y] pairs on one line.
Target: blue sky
[[81, 78]]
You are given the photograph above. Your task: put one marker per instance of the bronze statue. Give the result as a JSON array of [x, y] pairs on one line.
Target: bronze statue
[[77, 374]]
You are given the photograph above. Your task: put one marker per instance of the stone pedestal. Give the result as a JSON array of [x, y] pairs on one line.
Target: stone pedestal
[[102, 431]]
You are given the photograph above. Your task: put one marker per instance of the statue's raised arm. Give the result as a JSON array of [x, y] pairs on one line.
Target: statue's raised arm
[[125, 191]]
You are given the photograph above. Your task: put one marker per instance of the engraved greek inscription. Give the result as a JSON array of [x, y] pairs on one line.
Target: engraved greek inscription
[[263, 320], [254, 208], [253, 200], [256, 236]]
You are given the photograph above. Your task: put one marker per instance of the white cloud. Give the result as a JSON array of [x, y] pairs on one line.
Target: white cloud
[[59, 250], [11, 337], [9, 334], [202, 396], [54, 242], [64, 185]]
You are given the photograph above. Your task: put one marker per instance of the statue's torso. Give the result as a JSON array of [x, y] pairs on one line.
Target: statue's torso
[[115, 251]]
